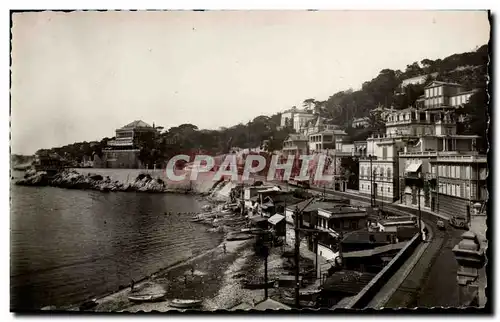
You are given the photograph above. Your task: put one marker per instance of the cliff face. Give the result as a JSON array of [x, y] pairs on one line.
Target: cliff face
[[71, 179]]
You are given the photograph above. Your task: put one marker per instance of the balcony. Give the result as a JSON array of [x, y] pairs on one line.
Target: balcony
[[417, 154], [474, 158]]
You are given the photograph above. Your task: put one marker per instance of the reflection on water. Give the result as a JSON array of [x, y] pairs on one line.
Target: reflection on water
[[70, 245]]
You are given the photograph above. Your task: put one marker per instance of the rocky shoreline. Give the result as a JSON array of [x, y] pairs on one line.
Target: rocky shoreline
[[71, 179]]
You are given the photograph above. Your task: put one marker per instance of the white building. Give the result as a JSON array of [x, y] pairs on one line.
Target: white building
[[417, 80]]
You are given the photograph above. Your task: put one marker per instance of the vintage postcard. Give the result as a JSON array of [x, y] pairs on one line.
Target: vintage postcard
[[248, 160]]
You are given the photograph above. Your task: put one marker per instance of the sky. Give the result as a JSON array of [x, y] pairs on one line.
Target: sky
[[78, 76]]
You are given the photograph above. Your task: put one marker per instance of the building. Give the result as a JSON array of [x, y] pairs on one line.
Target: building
[[461, 182], [432, 136], [341, 218], [287, 117], [322, 136], [378, 172], [123, 151], [301, 118], [439, 94], [394, 224], [361, 122], [296, 144], [417, 80]]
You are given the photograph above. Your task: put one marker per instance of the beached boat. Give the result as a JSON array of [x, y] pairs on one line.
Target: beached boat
[[146, 298], [305, 295], [304, 304], [185, 304], [196, 220], [147, 292]]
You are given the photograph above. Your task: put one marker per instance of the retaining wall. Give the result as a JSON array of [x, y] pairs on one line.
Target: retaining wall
[[364, 297]]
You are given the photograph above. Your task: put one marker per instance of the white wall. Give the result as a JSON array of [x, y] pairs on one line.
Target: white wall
[[327, 253]]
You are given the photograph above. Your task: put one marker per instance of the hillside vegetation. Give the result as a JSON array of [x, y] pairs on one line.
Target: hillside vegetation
[[469, 69]]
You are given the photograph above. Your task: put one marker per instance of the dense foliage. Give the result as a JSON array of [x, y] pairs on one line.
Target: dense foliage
[[469, 69]]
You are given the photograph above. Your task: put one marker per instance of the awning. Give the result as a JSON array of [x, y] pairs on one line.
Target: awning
[[275, 219], [414, 167]]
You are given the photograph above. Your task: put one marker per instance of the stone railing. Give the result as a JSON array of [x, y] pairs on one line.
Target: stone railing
[[469, 158]]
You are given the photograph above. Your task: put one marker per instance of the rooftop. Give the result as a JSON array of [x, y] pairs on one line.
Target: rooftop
[[296, 137], [314, 205], [136, 124], [347, 281], [364, 237], [438, 83]]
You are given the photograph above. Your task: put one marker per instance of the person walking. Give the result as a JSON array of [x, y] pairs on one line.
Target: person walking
[[224, 247]]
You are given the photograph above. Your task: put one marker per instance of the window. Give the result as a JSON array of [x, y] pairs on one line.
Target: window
[[467, 191], [354, 225], [467, 172], [384, 153], [458, 194], [388, 189], [388, 172], [346, 224], [440, 90], [381, 172]]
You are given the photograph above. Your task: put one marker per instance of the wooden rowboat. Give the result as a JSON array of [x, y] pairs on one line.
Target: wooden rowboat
[[185, 304], [146, 298]]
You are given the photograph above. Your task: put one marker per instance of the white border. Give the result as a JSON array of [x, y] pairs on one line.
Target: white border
[[186, 5]]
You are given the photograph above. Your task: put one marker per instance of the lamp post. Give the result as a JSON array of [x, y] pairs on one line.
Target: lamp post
[[420, 184], [371, 180]]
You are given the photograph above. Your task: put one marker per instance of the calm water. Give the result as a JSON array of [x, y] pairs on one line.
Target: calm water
[[71, 245]]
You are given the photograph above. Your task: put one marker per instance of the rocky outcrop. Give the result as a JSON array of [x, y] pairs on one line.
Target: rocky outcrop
[[71, 179]]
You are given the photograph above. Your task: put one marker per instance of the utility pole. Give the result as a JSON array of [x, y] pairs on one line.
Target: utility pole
[[266, 250], [297, 251], [419, 211]]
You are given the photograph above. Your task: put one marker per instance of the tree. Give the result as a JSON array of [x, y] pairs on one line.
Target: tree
[[308, 103], [477, 117]]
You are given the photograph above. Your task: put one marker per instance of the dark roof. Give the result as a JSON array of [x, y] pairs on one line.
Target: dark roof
[[364, 236], [314, 205], [344, 209], [137, 123], [346, 281], [437, 83], [283, 198]]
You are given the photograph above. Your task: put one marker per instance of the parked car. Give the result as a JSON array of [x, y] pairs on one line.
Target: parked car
[[458, 222]]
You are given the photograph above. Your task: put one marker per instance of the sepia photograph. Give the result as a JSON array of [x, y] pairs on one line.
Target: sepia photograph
[[251, 160]]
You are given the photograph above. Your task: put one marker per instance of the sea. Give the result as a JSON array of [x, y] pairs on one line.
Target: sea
[[68, 246]]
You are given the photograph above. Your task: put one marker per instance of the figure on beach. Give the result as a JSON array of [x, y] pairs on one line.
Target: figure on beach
[[132, 284], [224, 247]]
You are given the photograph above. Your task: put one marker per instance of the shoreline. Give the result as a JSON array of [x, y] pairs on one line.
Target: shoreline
[[118, 301]]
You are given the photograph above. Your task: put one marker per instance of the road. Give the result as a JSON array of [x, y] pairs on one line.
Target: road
[[432, 282]]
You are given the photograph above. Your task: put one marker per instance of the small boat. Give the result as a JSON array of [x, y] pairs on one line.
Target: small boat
[[185, 304], [196, 220], [88, 305], [147, 292], [146, 298]]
